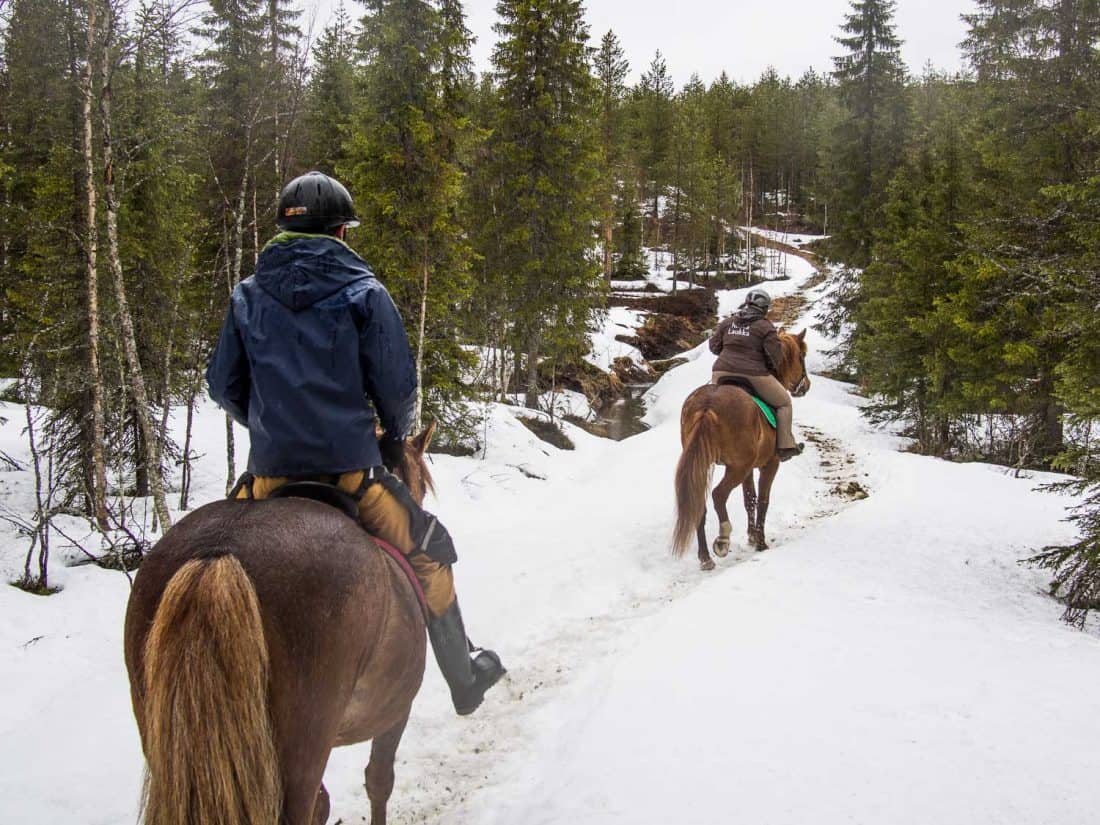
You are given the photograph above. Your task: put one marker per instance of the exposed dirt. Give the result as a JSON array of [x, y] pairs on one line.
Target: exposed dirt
[[787, 309], [599, 387], [676, 323]]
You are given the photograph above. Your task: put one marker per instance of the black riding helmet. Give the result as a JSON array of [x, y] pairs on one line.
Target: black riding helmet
[[314, 202]]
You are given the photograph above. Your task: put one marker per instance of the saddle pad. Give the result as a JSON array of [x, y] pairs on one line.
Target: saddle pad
[[769, 413], [403, 563]]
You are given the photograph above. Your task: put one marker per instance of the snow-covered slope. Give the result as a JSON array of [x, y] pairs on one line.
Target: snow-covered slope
[[887, 661]]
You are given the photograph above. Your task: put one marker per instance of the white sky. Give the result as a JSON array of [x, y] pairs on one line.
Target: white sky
[[743, 37]]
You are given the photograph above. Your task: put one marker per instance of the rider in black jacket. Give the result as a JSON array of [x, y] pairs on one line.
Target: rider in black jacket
[[311, 347]]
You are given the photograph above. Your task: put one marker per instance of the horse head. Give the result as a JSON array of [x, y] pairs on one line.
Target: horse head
[[413, 469], [792, 372]]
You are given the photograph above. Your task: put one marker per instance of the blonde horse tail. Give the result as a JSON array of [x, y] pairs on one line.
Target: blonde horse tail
[[693, 473], [207, 728]]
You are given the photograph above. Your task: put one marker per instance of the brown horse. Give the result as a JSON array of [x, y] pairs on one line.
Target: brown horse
[[260, 635], [723, 425]]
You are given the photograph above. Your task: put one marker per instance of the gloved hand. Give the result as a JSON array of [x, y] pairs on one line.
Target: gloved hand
[[393, 452]]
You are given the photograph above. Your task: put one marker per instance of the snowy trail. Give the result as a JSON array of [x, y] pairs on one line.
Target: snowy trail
[[886, 661], [889, 664]]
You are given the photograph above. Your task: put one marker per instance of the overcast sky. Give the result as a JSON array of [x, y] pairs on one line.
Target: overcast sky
[[742, 38]]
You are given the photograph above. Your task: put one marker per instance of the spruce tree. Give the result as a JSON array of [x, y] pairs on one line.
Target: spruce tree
[[870, 80], [1036, 63], [654, 124], [546, 157], [611, 70], [405, 169], [904, 336], [50, 266], [331, 98]]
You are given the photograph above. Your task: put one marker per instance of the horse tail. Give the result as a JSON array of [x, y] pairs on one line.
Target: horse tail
[[693, 473], [208, 734]]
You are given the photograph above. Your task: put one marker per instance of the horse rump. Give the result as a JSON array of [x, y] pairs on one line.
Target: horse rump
[[206, 724]]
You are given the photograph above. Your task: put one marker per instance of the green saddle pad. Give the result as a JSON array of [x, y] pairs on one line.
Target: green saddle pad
[[769, 413]]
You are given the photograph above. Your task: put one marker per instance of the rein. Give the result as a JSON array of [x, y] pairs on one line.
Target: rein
[[801, 385]]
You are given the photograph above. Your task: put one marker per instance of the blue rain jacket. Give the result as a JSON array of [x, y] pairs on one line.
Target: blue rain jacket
[[309, 343]]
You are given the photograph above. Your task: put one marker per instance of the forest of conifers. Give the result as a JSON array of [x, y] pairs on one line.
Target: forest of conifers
[[143, 146]]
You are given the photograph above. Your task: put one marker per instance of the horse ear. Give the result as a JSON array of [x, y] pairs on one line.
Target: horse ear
[[424, 440], [801, 336]]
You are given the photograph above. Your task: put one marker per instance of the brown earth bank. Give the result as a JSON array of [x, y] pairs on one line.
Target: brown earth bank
[[676, 322]]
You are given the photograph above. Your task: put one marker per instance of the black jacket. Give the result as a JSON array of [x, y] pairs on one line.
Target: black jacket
[[309, 342]]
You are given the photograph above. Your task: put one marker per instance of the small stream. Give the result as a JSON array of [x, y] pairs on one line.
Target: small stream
[[624, 418]]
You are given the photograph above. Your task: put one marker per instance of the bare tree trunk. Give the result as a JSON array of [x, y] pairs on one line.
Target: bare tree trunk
[[676, 229], [234, 263], [422, 326], [185, 476], [256, 231], [91, 253], [129, 339], [166, 386], [608, 237], [656, 228], [531, 399], [748, 224]]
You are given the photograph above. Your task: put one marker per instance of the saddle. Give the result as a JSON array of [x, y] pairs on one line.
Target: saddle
[[741, 383], [348, 504]]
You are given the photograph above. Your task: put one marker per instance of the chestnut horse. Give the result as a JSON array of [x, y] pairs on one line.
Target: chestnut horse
[[260, 635], [723, 425]]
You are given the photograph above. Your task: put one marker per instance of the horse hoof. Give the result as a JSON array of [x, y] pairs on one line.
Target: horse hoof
[[706, 565], [721, 547]]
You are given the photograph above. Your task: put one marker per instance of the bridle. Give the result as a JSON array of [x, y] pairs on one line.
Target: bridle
[[803, 383]]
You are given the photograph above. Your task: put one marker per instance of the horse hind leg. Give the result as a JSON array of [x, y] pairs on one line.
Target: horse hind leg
[[379, 772], [720, 496], [705, 561]]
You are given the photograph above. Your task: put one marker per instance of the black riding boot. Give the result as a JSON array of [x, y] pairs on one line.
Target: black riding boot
[[468, 678], [786, 453]]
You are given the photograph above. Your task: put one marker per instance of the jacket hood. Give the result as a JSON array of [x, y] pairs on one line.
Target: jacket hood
[[300, 270], [747, 314]]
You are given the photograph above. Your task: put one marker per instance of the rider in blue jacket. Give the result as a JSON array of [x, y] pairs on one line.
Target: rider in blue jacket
[[312, 347]]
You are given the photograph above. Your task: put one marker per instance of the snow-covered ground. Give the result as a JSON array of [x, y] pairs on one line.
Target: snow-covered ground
[[887, 661], [795, 239], [605, 349]]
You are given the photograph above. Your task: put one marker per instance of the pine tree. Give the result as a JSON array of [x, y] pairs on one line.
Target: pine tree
[[50, 260], [690, 199], [545, 153], [1037, 64], [231, 70], [405, 168], [904, 336], [331, 98], [611, 71], [654, 124], [725, 183], [870, 79]]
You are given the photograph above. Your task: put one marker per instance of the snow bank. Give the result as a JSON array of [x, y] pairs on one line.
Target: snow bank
[[887, 661], [605, 349]]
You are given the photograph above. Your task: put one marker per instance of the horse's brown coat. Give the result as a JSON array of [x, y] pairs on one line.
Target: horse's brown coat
[[722, 425], [345, 642]]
